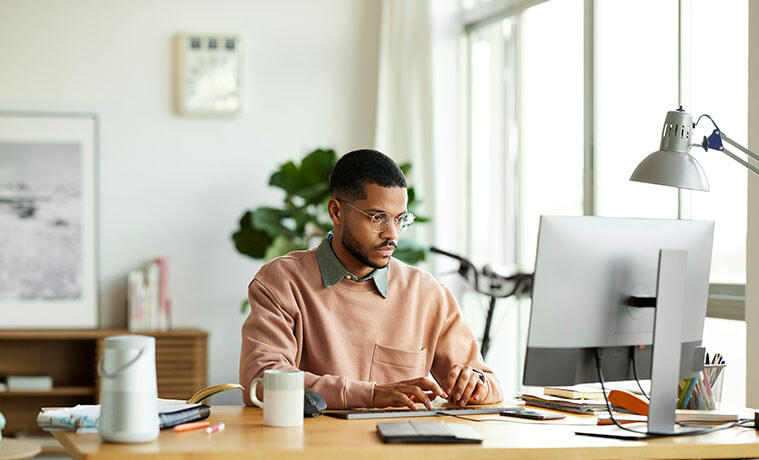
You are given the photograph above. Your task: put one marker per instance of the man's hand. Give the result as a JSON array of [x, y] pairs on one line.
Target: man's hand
[[464, 384], [406, 392]]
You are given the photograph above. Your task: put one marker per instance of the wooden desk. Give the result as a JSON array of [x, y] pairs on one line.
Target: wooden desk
[[13, 449], [330, 438]]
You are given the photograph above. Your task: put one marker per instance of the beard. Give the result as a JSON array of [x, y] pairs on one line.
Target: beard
[[354, 247]]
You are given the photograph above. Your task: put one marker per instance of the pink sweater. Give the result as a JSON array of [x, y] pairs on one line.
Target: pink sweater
[[348, 337]]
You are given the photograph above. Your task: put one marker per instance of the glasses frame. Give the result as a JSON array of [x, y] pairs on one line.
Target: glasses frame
[[398, 224]]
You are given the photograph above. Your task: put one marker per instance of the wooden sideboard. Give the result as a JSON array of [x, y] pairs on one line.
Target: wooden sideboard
[[70, 357]]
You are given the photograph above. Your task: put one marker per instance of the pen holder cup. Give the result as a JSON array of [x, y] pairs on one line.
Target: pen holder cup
[[703, 392]]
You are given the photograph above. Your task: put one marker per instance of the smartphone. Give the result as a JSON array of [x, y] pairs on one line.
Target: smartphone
[[521, 412]]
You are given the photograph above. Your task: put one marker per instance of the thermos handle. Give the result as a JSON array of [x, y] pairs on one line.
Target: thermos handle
[[103, 373]]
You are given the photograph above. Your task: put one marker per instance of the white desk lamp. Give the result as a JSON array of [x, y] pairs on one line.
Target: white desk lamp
[[672, 165]]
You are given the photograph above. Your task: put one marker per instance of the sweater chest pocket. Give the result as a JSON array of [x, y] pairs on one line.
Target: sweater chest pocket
[[391, 365]]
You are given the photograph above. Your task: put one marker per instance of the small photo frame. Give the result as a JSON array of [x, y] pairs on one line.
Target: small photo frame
[[48, 220]]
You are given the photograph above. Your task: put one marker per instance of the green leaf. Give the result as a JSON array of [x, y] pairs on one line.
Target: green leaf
[[281, 246], [287, 178], [315, 194], [244, 306], [405, 168], [410, 252], [317, 165], [411, 196], [270, 220], [250, 240]]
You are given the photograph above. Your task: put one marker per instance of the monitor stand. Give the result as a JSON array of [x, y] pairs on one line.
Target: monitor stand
[[665, 361]]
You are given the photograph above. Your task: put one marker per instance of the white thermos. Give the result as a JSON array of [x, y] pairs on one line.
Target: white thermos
[[128, 391]]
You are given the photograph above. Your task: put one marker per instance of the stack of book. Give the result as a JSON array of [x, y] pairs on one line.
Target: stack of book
[[578, 406], [147, 298], [29, 382]]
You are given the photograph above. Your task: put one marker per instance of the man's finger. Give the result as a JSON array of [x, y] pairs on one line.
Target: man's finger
[[406, 401], [469, 389], [421, 397], [461, 384], [453, 376], [479, 392], [429, 385]]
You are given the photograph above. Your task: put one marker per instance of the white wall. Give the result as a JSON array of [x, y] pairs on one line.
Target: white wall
[[752, 243], [176, 186]]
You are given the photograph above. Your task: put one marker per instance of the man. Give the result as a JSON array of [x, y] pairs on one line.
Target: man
[[365, 328]]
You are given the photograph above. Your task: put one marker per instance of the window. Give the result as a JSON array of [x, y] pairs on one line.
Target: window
[[529, 100], [551, 123]]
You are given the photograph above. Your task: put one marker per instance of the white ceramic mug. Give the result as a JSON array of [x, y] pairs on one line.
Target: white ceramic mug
[[283, 397]]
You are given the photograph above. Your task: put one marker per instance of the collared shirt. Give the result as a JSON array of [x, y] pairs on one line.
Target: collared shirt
[[333, 271]]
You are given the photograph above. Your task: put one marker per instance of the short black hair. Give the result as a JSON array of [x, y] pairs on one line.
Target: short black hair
[[360, 167]]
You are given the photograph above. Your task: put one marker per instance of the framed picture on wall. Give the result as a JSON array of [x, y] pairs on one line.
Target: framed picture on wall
[[48, 231]]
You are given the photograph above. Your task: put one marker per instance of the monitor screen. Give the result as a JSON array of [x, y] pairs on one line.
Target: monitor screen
[[585, 271]]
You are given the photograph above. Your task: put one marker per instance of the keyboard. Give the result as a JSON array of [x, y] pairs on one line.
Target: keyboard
[[398, 413]]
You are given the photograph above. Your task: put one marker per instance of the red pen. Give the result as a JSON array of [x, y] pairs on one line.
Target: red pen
[[218, 427]]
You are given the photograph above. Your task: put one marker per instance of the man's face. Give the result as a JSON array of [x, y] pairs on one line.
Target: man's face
[[369, 247]]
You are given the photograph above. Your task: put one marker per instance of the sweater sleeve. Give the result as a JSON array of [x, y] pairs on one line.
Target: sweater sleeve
[[456, 345], [269, 342]]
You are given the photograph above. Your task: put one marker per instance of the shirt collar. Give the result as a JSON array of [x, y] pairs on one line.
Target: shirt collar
[[333, 270]]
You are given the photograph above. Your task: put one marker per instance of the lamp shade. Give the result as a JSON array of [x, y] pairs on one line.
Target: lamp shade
[[672, 164]]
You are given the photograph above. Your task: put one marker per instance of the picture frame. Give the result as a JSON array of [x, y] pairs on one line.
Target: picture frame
[[48, 220]]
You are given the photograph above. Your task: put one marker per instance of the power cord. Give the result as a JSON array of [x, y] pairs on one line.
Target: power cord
[[599, 359], [635, 373]]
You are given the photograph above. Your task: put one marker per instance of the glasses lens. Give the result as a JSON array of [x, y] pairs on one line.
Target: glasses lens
[[380, 221], [406, 221]]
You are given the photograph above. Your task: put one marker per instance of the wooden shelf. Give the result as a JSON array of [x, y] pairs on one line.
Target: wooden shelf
[[70, 357], [57, 391]]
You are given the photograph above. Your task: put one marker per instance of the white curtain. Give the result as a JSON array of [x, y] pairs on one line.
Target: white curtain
[[416, 105], [404, 96]]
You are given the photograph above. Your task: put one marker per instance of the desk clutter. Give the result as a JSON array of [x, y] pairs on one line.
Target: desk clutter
[[86, 418]]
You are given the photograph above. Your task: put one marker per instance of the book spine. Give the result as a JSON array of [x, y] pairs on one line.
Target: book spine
[[153, 296], [135, 294], [163, 297]]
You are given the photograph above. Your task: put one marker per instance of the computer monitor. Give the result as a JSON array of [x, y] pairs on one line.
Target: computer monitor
[[586, 271]]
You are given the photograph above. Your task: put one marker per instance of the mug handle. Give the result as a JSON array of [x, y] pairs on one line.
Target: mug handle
[[253, 397]]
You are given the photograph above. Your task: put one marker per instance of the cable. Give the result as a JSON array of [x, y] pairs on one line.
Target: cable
[[746, 423], [515, 420], [710, 119], [599, 358], [635, 373]]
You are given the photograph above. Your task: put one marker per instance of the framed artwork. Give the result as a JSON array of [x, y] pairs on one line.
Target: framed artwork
[[48, 231]]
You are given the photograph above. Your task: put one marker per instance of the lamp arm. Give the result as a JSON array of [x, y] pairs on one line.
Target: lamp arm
[[735, 157], [740, 147], [740, 160]]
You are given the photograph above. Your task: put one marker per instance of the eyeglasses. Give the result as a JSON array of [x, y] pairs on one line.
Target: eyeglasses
[[381, 220]]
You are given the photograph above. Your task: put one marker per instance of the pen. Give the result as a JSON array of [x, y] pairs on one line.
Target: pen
[[191, 426], [218, 427], [690, 392]]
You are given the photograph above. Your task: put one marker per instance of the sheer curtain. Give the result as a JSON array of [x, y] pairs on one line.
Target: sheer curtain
[[404, 97], [417, 106]]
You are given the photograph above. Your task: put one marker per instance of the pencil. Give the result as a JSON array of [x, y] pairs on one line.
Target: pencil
[[191, 426]]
